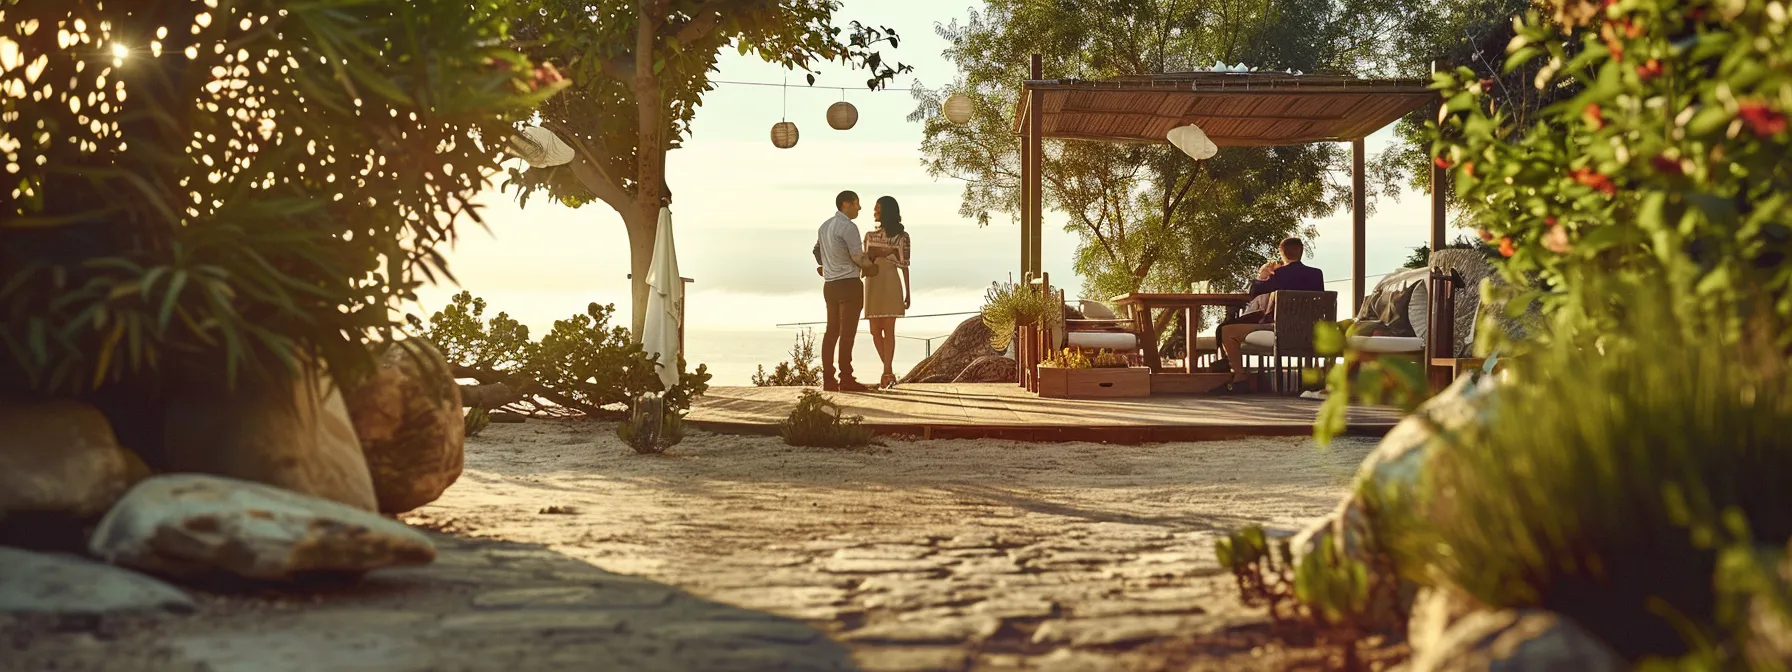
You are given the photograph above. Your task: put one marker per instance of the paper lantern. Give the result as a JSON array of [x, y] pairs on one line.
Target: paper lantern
[[1193, 141], [783, 135], [540, 147], [842, 115], [957, 109]]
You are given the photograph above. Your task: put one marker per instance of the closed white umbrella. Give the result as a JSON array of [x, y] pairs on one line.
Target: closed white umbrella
[[665, 294]]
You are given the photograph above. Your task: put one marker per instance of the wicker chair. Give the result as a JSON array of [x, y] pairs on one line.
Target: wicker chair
[[1297, 315]]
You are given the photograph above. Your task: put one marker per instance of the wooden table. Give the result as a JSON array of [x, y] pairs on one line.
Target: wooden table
[[1141, 304]]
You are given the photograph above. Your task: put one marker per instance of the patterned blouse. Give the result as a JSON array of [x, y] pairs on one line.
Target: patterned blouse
[[878, 238]]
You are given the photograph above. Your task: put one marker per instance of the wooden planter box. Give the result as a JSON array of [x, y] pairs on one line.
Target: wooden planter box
[[1059, 383]]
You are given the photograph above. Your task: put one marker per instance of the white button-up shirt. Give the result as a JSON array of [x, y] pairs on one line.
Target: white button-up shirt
[[839, 240]]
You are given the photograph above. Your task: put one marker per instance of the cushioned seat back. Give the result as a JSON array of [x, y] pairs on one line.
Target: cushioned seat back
[[1296, 315]]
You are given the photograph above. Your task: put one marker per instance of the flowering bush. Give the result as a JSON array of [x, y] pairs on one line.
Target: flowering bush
[[1667, 162]]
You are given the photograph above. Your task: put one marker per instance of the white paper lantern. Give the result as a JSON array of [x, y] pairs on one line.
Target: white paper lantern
[[842, 115], [784, 135], [957, 109], [540, 147], [1194, 142]]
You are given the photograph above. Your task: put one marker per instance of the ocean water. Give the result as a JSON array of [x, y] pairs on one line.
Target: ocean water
[[734, 355]]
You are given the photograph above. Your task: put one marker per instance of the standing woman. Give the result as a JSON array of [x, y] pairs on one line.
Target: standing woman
[[886, 297]]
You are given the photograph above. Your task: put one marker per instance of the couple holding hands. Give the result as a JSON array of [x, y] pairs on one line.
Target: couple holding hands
[[866, 274]]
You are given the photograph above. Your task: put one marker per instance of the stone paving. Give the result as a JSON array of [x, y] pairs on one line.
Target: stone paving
[[560, 550]]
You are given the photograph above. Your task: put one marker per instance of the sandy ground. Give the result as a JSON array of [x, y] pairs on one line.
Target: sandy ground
[[563, 550], [986, 548]]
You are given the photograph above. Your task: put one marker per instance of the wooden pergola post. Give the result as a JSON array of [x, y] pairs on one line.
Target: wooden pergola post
[[1359, 221], [1026, 190], [1035, 147], [1440, 183]]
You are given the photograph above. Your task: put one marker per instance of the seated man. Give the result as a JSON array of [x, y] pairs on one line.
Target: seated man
[[1275, 276]]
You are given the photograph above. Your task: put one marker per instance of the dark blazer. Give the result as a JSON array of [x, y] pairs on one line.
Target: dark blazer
[[1296, 277]]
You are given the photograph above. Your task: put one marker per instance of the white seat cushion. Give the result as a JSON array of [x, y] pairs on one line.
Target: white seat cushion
[[1388, 344], [1418, 309], [1103, 340], [1096, 310]]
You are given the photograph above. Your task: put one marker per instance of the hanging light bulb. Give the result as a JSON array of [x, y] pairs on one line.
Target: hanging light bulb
[[957, 109], [1193, 141]]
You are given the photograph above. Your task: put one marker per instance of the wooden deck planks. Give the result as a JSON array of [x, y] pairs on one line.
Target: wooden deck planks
[[1006, 411]]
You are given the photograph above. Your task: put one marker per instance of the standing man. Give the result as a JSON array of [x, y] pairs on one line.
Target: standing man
[[841, 253]]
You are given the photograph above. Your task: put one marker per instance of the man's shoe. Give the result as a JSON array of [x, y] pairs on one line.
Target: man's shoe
[[850, 385]]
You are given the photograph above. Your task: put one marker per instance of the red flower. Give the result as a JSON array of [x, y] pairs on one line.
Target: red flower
[[1761, 119], [1590, 178], [1632, 29], [1593, 115], [546, 75], [1441, 162], [1665, 164], [1616, 49], [1486, 84], [1649, 69], [1506, 249], [1486, 236], [1468, 168], [1549, 220]]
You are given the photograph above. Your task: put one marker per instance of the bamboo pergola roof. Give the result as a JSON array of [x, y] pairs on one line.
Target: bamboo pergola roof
[[1242, 109]]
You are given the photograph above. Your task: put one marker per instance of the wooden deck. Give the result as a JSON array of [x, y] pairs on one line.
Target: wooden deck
[[1005, 411]]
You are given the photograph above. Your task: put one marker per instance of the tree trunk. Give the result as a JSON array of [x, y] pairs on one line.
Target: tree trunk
[[640, 257], [488, 395], [650, 159]]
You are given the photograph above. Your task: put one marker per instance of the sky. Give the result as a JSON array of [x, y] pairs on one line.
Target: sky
[[746, 212]]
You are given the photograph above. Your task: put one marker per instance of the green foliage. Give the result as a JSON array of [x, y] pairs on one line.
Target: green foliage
[[1150, 218], [800, 371], [582, 364], [651, 427], [1263, 570], [1007, 305], [1395, 381], [246, 186], [818, 421], [1668, 160], [1107, 359], [1629, 495], [1333, 587], [477, 419], [1068, 358]]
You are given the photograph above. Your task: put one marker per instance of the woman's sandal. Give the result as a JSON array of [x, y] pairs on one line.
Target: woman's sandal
[[889, 381]]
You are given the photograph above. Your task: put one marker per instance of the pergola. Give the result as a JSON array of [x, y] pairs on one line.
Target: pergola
[[1235, 109]]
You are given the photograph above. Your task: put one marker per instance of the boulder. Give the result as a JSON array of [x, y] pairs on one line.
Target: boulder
[[296, 436], [968, 343], [1434, 611], [199, 526], [1396, 465], [61, 459], [1517, 640], [408, 418], [997, 369], [65, 584]]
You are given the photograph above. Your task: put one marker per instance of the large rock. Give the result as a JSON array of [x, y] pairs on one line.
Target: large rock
[[408, 418], [968, 343], [64, 584], [996, 369], [60, 458], [1435, 611], [1517, 640], [200, 526], [1396, 465], [297, 436]]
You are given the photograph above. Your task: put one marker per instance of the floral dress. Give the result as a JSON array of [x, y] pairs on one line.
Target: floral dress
[[884, 291]]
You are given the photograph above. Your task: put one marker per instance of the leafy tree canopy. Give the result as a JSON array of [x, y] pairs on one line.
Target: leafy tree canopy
[[639, 70]]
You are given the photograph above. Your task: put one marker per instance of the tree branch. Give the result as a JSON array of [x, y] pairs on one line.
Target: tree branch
[[699, 28], [590, 172]]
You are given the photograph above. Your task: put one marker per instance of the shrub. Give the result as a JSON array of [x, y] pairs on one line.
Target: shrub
[[1668, 160], [1323, 589], [800, 371], [477, 419], [180, 217], [650, 427], [1007, 305], [582, 365], [817, 421], [1610, 484]]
